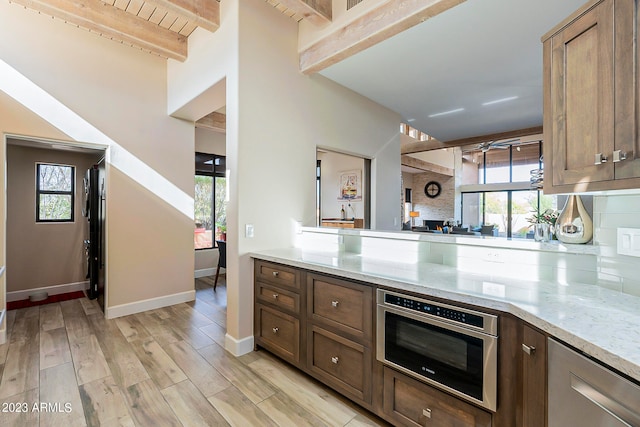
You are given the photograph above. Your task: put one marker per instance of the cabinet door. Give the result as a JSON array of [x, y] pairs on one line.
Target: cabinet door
[[340, 363], [344, 306], [411, 403], [534, 388], [581, 85], [627, 141], [278, 332]]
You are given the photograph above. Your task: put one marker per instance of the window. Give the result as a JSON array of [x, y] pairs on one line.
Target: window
[[496, 188], [209, 200], [54, 192]]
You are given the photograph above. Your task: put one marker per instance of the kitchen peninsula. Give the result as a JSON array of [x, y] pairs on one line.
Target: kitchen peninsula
[[508, 278]]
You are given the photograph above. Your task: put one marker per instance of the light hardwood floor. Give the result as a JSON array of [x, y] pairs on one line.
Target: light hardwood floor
[[65, 365]]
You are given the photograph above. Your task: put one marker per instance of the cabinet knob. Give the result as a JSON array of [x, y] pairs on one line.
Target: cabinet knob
[[530, 350], [275, 330], [619, 156], [335, 360], [276, 273], [335, 303], [426, 412], [600, 159], [275, 296]]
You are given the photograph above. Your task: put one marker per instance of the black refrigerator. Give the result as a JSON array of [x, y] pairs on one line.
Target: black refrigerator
[[95, 213]]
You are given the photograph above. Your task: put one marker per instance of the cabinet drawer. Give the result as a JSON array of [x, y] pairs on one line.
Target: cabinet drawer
[[342, 364], [411, 403], [342, 305], [282, 298], [277, 274], [279, 333]]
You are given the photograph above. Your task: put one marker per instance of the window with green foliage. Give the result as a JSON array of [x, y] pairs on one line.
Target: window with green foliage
[[209, 200], [54, 192]]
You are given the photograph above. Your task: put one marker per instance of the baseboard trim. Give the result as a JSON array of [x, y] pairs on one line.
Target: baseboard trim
[[207, 272], [238, 347], [149, 304], [51, 290]]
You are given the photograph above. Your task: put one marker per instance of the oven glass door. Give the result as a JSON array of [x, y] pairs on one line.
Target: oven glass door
[[442, 355]]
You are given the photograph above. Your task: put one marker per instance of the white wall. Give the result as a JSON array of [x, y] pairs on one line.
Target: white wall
[[120, 95], [276, 117]]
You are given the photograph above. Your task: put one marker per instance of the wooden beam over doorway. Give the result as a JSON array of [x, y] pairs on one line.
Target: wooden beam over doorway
[[419, 146], [214, 121], [381, 23], [412, 162]]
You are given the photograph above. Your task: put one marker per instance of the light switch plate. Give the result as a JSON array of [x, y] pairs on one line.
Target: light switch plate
[[629, 241], [248, 230]]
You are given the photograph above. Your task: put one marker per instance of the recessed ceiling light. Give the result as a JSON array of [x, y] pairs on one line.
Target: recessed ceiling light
[[457, 110], [411, 120], [497, 101]]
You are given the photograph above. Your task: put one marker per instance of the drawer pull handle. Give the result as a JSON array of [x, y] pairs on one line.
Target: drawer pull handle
[[275, 296], [335, 360], [335, 303], [600, 159], [530, 350], [619, 156], [426, 412], [275, 330], [276, 273]]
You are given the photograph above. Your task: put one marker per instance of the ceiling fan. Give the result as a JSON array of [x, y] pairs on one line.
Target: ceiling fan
[[504, 144]]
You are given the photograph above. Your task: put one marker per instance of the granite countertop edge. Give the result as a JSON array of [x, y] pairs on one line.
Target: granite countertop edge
[[572, 313]]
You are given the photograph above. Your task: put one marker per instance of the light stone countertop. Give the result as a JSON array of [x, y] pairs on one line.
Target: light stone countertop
[[602, 323]]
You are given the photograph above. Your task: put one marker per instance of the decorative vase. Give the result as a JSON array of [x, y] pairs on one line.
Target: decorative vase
[[574, 225], [541, 232]]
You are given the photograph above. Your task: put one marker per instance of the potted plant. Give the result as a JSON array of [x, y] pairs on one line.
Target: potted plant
[[221, 229], [543, 224]]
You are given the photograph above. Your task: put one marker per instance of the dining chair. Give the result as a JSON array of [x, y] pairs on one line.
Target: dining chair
[[222, 260]]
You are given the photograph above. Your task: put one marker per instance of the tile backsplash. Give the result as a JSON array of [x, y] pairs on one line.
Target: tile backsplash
[[602, 266], [615, 271]]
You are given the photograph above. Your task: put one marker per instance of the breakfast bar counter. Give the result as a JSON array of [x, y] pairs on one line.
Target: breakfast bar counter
[[602, 323]]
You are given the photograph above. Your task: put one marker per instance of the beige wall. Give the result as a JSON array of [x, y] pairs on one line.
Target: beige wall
[[121, 92], [43, 254], [276, 117], [440, 208], [211, 142]]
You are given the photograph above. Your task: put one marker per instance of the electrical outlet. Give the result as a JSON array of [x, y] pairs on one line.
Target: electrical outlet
[[629, 241]]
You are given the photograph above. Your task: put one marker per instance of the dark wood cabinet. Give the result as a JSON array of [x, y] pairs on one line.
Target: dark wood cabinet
[[278, 320], [534, 378], [408, 402], [340, 335], [591, 136], [325, 326]]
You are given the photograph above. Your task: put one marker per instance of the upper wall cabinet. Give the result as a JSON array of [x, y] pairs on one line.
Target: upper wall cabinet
[[591, 100]]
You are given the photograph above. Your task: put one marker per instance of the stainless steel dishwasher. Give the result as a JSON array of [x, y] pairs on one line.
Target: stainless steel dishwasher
[[583, 393]]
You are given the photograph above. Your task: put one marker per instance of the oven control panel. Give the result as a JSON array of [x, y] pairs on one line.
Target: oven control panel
[[437, 310]]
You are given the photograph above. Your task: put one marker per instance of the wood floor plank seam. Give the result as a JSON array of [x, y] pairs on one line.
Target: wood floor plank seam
[[161, 367]]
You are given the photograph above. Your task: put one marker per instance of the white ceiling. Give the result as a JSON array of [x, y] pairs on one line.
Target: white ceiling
[[476, 52]]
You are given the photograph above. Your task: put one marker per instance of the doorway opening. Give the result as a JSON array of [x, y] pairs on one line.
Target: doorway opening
[[55, 219], [343, 190]]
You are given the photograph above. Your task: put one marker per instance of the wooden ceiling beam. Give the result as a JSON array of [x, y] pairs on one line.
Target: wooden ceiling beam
[[434, 144], [318, 12], [214, 121], [412, 162], [381, 23], [105, 19], [203, 13]]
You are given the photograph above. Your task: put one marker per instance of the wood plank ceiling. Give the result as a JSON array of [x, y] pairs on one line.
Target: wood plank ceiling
[[160, 27]]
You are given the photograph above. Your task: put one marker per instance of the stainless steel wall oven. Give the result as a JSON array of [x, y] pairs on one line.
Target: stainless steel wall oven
[[450, 347]]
